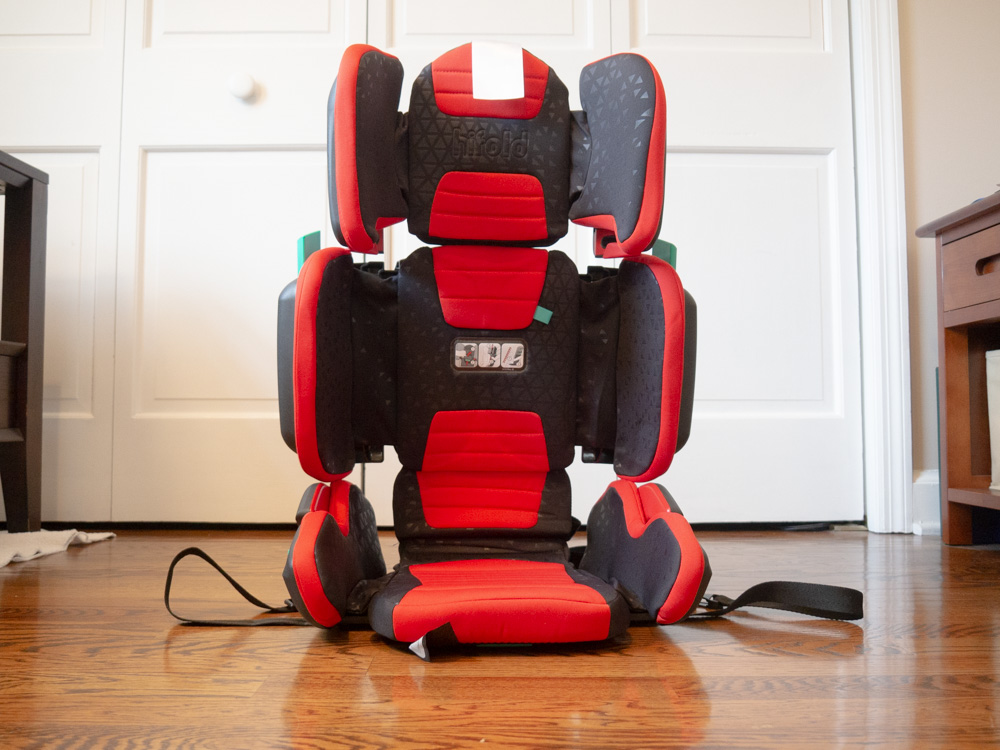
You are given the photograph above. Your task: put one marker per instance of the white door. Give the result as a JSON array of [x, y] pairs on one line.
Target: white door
[[214, 190], [760, 201], [60, 88], [223, 168]]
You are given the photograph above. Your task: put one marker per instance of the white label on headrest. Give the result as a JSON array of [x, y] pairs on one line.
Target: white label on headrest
[[497, 71]]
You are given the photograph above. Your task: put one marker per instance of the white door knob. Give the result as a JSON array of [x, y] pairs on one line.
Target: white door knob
[[242, 86]]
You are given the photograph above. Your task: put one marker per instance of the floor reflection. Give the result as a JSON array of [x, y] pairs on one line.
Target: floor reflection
[[504, 695]]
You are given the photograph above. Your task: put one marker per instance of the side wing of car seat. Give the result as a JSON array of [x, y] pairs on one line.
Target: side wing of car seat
[[638, 537], [339, 378], [364, 128], [619, 153], [337, 341], [638, 343], [636, 394]]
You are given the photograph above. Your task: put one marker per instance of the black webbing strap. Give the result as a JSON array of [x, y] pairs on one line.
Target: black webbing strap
[[815, 599], [288, 606]]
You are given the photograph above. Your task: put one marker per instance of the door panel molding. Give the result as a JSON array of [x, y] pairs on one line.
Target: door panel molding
[[885, 338]]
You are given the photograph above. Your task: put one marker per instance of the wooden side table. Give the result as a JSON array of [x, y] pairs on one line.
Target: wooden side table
[[22, 332], [968, 283]]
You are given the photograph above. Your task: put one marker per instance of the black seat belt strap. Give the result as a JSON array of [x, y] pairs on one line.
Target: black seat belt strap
[[286, 608], [814, 599]]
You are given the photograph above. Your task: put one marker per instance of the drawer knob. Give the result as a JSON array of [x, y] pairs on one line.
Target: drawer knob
[[987, 265], [243, 86]]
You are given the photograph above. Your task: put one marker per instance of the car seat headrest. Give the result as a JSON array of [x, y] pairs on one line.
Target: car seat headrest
[[489, 152], [488, 170]]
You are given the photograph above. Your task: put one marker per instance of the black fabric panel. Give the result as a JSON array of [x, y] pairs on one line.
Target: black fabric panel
[[434, 150], [417, 551], [286, 353], [373, 330], [554, 513], [342, 561], [596, 418], [384, 602], [380, 79], [640, 368], [617, 94], [620, 614], [690, 357], [427, 382], [363, 534], [334, 433], [580, 157], [647, 567]]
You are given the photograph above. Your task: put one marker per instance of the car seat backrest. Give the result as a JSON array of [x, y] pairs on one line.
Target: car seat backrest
[[484, 393]]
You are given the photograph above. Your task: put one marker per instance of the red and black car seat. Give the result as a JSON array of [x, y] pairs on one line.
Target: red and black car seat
[[485, 358]]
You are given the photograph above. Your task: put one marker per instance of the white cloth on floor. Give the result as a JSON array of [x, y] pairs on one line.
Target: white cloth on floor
[[32, 544]]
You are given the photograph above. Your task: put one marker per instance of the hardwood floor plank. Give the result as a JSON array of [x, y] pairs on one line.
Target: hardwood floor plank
[[89, 658]]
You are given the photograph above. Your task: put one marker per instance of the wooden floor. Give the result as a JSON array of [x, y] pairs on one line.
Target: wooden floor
[[89, 658]]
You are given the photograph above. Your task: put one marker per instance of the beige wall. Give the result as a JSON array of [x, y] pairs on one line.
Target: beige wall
[[950, 69]]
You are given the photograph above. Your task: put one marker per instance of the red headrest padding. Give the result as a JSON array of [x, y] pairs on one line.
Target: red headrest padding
[[452, 75], [488, 206]]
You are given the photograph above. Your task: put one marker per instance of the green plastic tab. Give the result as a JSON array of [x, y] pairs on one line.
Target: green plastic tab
[[666, 251], [543, 315], [307, 246]]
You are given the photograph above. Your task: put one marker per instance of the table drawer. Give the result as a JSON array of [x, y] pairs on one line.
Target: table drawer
[[972, 269]]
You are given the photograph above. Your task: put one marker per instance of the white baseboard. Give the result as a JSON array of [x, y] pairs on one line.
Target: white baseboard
[[927, 502]]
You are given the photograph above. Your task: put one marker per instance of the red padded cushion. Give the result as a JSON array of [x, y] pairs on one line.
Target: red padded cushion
[[481, 499], [483, 469], [452, 76], [489, 287], [334, 499], [345, 144], [501, 601], [304, 362], [486, 440], [489, 206]]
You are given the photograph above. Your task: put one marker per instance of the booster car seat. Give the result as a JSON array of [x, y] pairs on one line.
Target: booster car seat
[[485, 358]]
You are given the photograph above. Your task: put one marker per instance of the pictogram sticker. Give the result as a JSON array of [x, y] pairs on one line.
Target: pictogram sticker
[[484, 356]]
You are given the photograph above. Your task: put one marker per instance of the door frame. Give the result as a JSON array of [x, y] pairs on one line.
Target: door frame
[[882, 274]]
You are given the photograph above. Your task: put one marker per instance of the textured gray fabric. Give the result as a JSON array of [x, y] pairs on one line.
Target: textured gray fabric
[[640, 369], [617, 94]]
